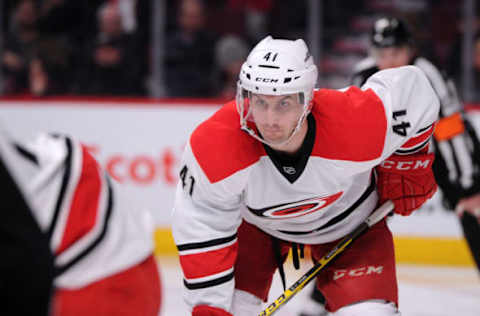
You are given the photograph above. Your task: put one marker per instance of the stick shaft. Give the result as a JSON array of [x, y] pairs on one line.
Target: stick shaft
[[374, 218]]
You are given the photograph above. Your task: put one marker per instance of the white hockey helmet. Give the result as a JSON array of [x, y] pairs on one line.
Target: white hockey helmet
[[276, 67]]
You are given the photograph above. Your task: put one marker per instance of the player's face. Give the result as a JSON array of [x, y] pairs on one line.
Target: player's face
[[275, 116], [391, 57]]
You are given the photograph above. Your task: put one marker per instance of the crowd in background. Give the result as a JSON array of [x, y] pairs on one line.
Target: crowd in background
[[104, 47], [55, 47]]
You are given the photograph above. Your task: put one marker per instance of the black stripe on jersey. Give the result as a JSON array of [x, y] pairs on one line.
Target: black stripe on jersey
[[475, 156], [343, 215], [205, 244], [63, 187], [26, 153], [424, 129], [412, 150], [454, 155], [202, 285], [455, 159], [452, 190], [61, 269]]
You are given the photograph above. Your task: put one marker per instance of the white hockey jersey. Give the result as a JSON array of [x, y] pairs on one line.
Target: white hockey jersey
[[93, 231], [318, 197]]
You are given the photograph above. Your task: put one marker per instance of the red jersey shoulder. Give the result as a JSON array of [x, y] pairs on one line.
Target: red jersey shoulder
[[351, 125], [221, 148]]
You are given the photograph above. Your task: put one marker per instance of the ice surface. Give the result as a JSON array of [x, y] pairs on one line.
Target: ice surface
[[423, 290]]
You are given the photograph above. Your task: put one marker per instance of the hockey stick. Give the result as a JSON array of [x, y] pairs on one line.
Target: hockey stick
[[374, 218]]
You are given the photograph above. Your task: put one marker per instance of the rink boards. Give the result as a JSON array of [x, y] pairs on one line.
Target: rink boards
[[140, 143]]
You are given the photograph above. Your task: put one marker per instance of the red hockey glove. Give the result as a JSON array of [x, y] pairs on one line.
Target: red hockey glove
[[205, 310], [406, 180]]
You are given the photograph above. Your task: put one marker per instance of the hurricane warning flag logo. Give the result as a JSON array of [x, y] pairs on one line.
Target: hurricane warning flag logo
[[296, 209]]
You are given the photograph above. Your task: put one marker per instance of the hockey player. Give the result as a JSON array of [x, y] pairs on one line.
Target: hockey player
[[104, 262], [285, 166], [456, 145]]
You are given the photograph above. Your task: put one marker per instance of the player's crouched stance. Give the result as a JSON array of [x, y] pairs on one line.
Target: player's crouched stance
[[285, 165]]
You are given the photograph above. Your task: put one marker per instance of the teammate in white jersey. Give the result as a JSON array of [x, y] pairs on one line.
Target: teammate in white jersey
[[284, 165], [456, 144], [103, 248]]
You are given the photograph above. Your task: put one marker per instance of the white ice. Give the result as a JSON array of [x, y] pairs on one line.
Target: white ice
[[423, 290]]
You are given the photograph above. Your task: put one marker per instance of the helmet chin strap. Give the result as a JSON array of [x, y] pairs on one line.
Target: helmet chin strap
[[252, 133]]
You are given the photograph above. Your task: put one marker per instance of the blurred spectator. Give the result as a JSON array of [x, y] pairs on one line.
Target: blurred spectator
[[230, 53], [476, 69], [19, 46], [288, 19], [225, 19], [456, 68], [49, 68], [189, 64], [256, 16], [38, 77], [445, 17], [77, 19], [143, 14], [127, 11], [113, 67], [72, 20]]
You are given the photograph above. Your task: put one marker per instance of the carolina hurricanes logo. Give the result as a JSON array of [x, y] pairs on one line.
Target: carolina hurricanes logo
[[296, 209]]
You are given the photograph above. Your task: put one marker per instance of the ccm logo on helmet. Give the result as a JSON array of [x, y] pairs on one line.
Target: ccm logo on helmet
[[337, 274], [267, 80], [406, 165]]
